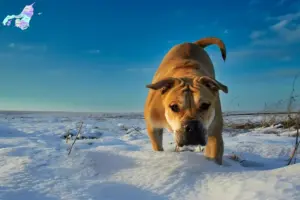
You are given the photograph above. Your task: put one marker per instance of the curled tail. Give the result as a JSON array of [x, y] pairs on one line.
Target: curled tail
[[204, 42]]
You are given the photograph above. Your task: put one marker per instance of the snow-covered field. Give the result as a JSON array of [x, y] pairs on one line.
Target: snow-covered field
[[119, 164]]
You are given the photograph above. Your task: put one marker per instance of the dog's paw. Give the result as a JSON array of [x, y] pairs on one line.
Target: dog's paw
[[218, 161]]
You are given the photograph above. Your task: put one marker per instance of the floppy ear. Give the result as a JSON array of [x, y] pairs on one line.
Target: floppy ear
[[213, 84], [164, 85]]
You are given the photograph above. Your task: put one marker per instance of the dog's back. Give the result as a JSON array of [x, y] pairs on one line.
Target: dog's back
[[187, 57]]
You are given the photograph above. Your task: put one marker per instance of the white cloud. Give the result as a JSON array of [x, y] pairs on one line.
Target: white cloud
[[289, 17], [283, 31], [278, 26], [12, 45], [257, 34], [285, 71], [265, 42], [226, 31], [254, 2], [286, 58], [5, 55], [281, 2], [26, 47], [242, 54], [255, 52], [94, 51]]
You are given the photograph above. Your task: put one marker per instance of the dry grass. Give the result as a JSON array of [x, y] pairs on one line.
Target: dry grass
[[268, 121], [244, 126], [287, 120], [290, 121], [295, 120], [77, 136]]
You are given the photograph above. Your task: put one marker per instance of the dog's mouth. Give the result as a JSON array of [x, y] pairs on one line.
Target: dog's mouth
[[195, 138], [181, 144]]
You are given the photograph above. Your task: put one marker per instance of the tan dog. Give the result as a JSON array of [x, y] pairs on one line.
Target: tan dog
[[184, 98]]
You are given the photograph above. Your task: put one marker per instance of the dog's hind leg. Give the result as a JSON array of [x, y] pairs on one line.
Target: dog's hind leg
[[156, 137]]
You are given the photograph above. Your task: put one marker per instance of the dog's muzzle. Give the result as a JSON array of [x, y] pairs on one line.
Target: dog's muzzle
[[194, 133]]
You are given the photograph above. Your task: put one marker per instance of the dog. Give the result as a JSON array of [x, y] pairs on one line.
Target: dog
[[184, 98]]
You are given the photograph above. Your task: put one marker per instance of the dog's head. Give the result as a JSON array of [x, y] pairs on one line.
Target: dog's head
[[189, 106]]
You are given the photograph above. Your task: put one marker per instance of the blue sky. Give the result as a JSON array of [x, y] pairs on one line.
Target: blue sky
[[99, 55]]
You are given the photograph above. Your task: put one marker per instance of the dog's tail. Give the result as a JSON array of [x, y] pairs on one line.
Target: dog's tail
[[204, 42]]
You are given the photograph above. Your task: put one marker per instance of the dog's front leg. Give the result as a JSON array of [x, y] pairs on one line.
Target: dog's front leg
[[215, 148], [156, 137]]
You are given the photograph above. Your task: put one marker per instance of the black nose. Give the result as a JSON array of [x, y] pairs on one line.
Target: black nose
[[195, 133], [191, 126]]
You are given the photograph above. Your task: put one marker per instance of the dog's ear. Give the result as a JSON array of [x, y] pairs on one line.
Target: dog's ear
[[212, 84], [164, 85]]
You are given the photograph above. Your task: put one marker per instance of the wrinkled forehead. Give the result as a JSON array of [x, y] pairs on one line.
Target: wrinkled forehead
[[189, 95], [185, 95]]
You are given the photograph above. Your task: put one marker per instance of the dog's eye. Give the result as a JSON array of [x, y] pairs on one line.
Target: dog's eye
[[204, 106], [174, 108]]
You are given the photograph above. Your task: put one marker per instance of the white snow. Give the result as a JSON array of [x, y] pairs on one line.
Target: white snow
[[120, 164]]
